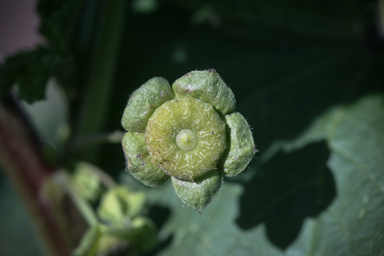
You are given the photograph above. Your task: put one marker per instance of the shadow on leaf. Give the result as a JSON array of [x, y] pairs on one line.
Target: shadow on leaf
[[287, 189], [159, 215]]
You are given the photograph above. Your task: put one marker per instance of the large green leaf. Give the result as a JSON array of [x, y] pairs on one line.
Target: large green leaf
[[213, 232], [351, 225]]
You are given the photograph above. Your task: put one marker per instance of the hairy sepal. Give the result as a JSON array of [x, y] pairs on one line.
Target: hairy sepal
[[198, 194], [208, 86], [144, 101], [241, 148], [139, 162]]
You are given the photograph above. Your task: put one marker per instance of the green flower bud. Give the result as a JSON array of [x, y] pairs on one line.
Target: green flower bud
[[193, 138], [242, 148], [86, 183], [119, 204], [139, 161], [207, 86], [186, 138], [200, 193], [100, 239], [144, 101], [109, 245]]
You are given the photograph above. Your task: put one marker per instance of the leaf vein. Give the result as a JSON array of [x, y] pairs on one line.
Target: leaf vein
[[344, 230], [359, 167]]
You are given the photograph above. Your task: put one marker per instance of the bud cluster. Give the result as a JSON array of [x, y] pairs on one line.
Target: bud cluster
[[188, 132]]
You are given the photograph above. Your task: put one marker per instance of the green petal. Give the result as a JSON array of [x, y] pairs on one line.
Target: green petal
[[186, 138], [119, 204], [200, 193], [144, 101], [242, 148], [139, 161], [207, 86]]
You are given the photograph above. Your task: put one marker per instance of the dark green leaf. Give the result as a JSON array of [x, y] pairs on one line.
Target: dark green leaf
[[57, 20], [30, 71]]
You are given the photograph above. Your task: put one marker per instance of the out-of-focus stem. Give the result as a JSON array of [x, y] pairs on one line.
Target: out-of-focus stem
[[84, 208], [100, 80], [85, 142], [21, 160]]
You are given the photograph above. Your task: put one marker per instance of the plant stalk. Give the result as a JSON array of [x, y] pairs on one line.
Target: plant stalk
[[23, 163], [102, 70]]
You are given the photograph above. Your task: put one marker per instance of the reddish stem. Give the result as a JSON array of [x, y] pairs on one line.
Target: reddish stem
[[23, 163]]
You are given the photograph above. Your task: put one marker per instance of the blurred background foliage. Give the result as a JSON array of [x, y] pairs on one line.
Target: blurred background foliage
[[307, 75]]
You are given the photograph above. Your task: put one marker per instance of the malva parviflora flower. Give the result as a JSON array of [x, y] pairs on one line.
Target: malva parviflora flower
[[189, 132]]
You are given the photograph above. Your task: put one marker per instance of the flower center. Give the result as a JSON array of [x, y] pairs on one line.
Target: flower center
[[186, 140]]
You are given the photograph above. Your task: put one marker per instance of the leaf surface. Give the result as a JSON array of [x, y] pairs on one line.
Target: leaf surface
[[351, 225]]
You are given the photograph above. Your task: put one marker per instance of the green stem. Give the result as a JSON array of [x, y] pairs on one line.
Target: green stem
[[89, 141], [22, 161], [84, 208], [97, 99]]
